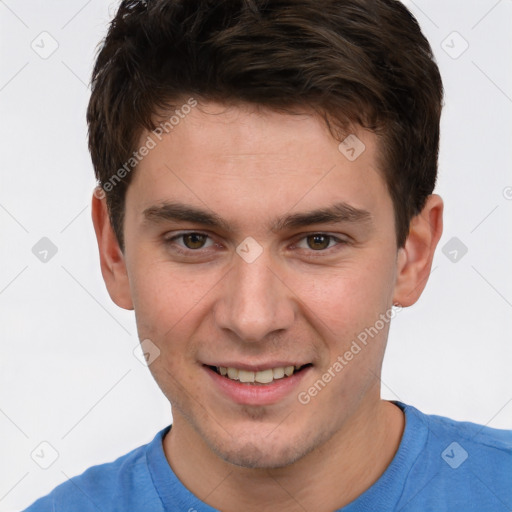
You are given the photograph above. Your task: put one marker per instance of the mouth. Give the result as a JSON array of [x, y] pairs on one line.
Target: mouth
[[261, 385], [260, 377]]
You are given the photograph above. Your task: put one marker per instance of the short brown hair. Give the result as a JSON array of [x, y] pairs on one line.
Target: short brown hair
[[355, 62]]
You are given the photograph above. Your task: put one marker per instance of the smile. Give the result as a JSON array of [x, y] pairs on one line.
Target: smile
[[258, 377]]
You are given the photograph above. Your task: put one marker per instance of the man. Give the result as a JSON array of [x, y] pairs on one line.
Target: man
[[265, 206]]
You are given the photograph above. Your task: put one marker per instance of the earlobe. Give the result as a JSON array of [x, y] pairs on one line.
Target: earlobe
[[112, 260], [414, 260]]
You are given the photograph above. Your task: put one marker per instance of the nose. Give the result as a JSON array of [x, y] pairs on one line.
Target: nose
[[254, 301]]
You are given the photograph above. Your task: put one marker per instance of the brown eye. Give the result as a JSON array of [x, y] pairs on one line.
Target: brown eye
[[194, 240], [318, 242]]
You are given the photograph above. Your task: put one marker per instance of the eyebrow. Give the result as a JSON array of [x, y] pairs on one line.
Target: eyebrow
[[340, 212]]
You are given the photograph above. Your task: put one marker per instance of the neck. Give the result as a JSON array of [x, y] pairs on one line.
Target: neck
[[328, 478]]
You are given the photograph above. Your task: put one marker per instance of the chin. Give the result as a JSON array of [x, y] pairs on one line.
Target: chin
[[254, 457], [263, 453]]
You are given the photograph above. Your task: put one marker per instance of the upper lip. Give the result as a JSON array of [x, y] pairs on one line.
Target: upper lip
[[256, 367]]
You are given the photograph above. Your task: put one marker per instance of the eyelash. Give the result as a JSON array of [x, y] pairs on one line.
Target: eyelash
[[188, 252]]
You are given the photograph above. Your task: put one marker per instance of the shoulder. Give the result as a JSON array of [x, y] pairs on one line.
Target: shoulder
[[462, 464], [479, 438], [108, 486]]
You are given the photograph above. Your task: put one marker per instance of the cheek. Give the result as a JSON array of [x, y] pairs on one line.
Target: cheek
[[164, 295], [348, 297], [171, 305], [165, 305], [345, 310]]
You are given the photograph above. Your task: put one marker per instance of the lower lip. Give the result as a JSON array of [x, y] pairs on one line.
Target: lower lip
[[257, 394]]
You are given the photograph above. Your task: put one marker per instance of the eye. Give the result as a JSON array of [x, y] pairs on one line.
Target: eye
[[191, 240], [319, 242]]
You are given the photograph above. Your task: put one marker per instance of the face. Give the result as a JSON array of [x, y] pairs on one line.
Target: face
[[253, 243]]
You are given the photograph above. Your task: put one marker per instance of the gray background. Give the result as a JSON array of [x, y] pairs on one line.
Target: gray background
[[68, 375]]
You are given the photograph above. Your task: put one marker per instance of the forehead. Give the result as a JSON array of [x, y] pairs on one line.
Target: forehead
[[255, 161], [228, 132]]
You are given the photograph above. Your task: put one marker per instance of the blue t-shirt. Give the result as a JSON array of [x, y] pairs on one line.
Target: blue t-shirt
[[440, 465]]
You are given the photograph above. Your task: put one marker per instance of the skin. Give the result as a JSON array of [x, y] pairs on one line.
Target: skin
[[299, 300]]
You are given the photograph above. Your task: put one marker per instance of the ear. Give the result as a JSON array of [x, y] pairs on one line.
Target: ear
[[415, 258], [112, 260]]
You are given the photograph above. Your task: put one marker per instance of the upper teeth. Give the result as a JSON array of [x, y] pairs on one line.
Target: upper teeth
[[263, 376]]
